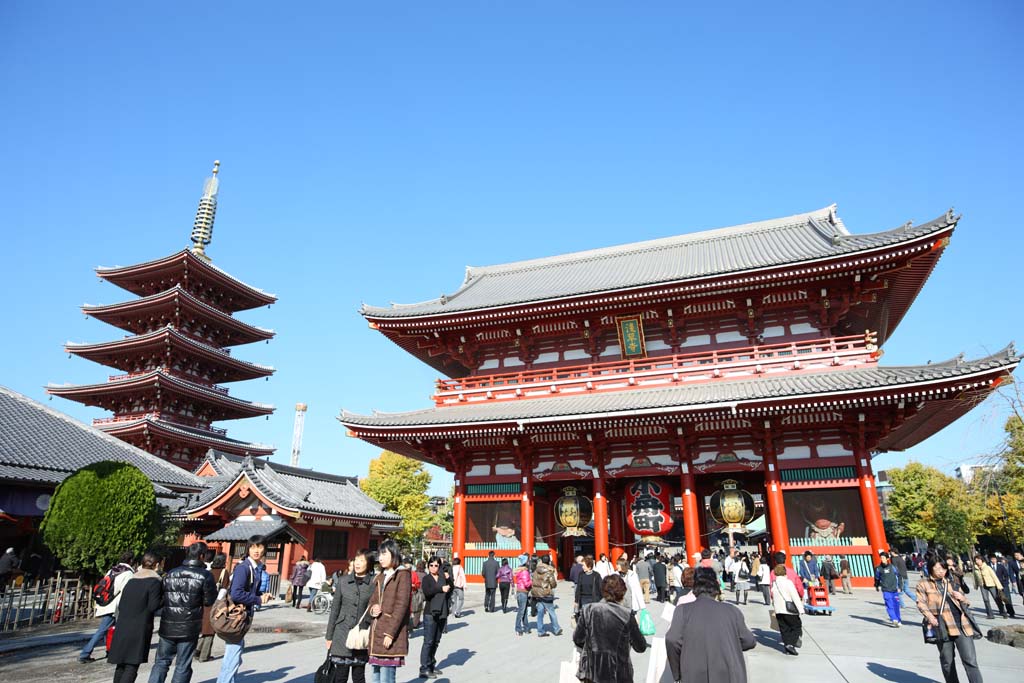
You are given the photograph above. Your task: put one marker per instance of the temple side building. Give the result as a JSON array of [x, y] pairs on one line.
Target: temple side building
[[177, 353], [698, 367]]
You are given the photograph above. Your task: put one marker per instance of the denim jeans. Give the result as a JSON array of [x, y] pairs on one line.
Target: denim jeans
[[383, 674], [106, 621], [179, 650], [433, 627], [522, 619], [232, 661], [549, 609]]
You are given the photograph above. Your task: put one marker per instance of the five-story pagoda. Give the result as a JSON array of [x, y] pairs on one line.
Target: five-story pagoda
[[178, 353]]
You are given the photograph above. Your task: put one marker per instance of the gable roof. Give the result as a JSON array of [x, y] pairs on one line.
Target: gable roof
[[782, 241], [292, 488], [40, 444]]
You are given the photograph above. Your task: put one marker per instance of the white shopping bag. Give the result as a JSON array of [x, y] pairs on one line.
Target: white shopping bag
[[658, 661], [668, 611], [567, 670]]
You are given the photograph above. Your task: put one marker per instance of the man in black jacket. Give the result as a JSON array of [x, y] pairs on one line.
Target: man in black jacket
[[490, 574], [661, 578], [187, 589]]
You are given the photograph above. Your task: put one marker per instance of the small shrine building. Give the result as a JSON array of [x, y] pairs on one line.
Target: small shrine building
[[742, 359]]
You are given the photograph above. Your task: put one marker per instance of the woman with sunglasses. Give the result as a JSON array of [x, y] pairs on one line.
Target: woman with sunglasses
[[435, 616]]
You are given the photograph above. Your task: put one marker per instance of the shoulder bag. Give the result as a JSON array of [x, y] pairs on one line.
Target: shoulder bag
[[359, 638], [325, 674], [937, 634]]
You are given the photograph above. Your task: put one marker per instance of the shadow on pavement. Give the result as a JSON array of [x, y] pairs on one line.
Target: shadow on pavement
[[253, 676], [873, 620], [460, 656], [265, 646], [454, 627], [889, 673], [769, 639]]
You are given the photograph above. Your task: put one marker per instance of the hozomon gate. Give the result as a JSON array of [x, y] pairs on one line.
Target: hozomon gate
[[748, 353]]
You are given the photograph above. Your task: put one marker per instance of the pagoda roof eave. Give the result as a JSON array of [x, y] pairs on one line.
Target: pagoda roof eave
[[250, 333], [247, 369], [162, 379], [802, 240], [734, 396], [182, 433], [118, 274]]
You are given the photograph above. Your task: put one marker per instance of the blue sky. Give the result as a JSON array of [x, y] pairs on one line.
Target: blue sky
[[371, 151]]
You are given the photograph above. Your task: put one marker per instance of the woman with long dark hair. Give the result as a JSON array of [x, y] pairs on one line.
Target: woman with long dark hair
[[947, 611], [389, 610], [348, 610], [435, 616]]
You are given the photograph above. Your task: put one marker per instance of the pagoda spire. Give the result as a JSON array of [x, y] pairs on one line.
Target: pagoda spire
[[202, 229]]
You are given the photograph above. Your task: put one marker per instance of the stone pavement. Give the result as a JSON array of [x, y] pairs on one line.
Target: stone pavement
[[853, 645]]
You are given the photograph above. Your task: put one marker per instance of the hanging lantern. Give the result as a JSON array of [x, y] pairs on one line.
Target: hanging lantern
[[649, 504], [573, 512], [732, 507]]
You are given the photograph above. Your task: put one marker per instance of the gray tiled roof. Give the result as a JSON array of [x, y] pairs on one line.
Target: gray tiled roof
[[794, 239], [269, 528], [721, 392], [294, 488], [53, 445]]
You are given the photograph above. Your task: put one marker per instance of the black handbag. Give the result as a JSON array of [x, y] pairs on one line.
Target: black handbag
[[325, 674], [791, 607]]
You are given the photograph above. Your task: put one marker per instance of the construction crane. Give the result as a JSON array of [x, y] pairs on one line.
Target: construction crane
[[300, 424]]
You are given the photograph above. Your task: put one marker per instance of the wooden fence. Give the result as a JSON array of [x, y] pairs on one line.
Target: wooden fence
[[54, 601]]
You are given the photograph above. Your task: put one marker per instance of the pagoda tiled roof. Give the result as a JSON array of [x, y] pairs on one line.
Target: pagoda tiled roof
[[799, 239], [240, 407], [122, 276], [727, 394], [293, 488], [178, 295], [39, 444], [119, 348], [205, 437]]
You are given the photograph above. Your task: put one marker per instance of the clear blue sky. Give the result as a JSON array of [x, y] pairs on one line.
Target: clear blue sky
[[371, 151]]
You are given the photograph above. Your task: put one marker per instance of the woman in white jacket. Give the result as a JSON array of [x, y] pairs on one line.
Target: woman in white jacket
[[740, 571], [790, 624], [634, 598]]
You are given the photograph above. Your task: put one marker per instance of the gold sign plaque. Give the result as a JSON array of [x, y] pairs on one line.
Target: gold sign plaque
[[631, 336]]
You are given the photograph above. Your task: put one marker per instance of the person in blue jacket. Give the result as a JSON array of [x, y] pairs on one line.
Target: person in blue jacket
[[244, 590]]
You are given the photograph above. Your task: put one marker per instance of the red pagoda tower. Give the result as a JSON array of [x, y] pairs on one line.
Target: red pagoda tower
[[178, 352], [687, 385]]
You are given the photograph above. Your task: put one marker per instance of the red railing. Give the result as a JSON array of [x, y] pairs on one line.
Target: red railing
[[661, 369]]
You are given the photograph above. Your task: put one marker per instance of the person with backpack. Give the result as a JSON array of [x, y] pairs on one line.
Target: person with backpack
[[187, 590], [887, 579], [107, 595], [299, 578], [524, 582], [244, 590], [142, 596]]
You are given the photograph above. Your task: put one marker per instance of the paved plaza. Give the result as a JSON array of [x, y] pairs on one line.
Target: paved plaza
[[287, 645]]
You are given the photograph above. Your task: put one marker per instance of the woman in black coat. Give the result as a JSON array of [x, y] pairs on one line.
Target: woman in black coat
[[605, 632], [141, 598], [351, 596], [435, 616]]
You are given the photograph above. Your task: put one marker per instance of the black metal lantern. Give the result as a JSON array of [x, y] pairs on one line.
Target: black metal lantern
[[573, 512], [732, 507]]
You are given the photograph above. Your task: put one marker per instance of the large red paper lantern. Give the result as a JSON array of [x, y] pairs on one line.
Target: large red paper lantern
[[649, 508]]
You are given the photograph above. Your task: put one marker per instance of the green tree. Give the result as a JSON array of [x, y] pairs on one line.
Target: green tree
[[400, 485], [99, 512], [927, 504]]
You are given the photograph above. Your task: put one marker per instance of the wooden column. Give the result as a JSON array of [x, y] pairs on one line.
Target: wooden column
[[773, 495], [688, 494], [600, 498], [459, 522], [618, 536], [526, 513], [869, 501]]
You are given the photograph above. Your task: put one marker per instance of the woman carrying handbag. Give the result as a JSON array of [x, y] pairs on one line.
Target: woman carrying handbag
[[788, 607], [349, 611], [947, 621]]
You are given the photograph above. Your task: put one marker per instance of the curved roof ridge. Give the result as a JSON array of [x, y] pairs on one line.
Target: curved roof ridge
[[827, 213]]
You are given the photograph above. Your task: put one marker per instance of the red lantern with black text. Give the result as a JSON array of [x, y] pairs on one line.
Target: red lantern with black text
[[649, 508]]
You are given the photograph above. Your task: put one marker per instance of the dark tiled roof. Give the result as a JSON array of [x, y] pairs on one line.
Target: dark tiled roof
[[791, 240], [205, 436], [294, 488], [720, 393], [34, 438], [270, 528]]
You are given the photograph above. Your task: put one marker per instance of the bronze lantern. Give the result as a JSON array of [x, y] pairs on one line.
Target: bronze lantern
[[573, 512], [732, 507]]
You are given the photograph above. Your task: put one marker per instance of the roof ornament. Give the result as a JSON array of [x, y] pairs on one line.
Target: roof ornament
[[832, 217], [951, 215], [202, 228]]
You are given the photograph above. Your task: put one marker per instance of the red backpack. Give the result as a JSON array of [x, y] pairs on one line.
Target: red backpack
[[103, 592]]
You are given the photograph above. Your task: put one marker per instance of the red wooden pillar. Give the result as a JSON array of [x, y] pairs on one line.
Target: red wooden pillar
[[459, 522], [691, 511], [600, 516], [869, 501], [527, 512], [773, 500], [615, 510]]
